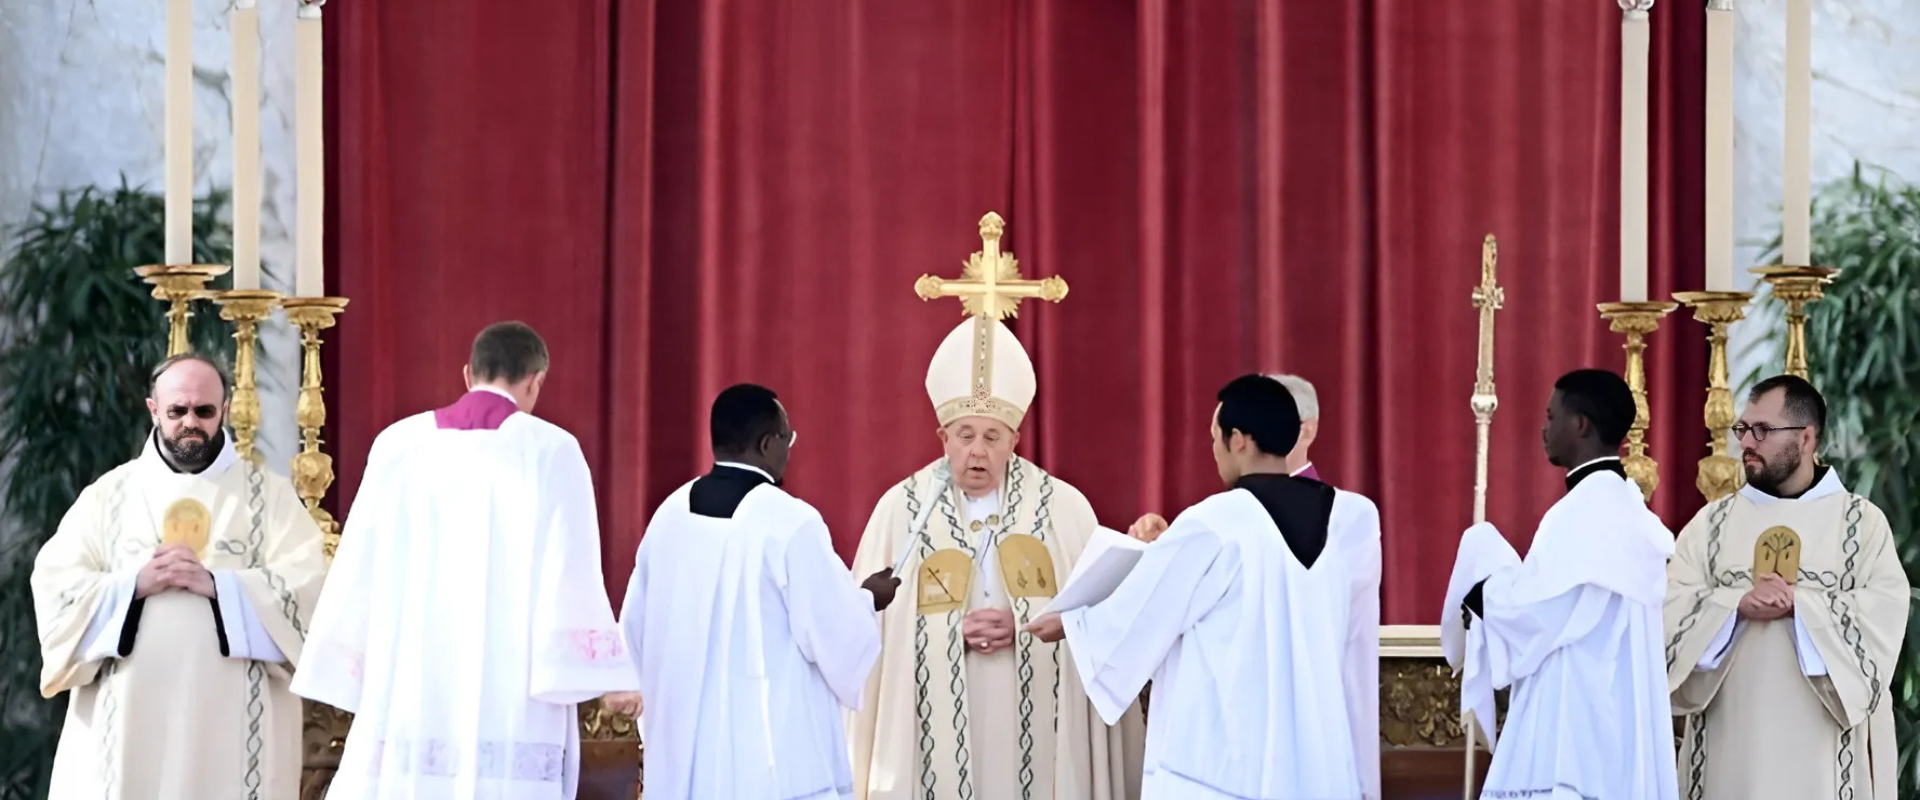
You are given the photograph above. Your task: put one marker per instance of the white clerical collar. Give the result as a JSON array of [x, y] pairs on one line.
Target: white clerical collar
[[1593, 462], [747, 467], [497, 390], [1828, 485], [228, 456]]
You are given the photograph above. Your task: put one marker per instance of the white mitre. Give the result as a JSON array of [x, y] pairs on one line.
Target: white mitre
[[981, 370]]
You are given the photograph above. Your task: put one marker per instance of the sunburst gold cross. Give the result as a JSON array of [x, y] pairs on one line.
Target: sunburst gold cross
[[991, 286]]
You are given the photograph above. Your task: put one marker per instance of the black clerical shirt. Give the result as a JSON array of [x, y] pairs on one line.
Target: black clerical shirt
[[1302, 508], [719, 493]]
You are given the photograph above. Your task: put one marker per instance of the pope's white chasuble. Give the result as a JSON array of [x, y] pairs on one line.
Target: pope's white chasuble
[[943, 721], [1798, 707], [169, 700]]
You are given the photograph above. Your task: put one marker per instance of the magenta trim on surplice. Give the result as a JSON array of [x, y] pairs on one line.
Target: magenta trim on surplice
[[477, 411]]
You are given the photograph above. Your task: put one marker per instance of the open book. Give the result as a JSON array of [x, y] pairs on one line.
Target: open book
[[1109, 556]]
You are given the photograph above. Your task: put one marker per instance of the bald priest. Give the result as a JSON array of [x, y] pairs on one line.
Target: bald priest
[[172, 603], [963, 703]]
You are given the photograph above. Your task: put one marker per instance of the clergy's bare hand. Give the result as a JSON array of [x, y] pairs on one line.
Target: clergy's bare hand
[[186, 573], [159, 573], [628, 703], [1047, 628], [1770, 598], [1148, 528], [988, 629], [882, 584]]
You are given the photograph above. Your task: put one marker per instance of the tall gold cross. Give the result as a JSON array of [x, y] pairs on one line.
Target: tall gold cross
[[1488, 297], [991, 286]]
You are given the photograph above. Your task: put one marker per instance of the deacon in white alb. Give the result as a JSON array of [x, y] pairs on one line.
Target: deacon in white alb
[[964, 704], [1575, 628], [1786, 608], [172, 602], [465, 615], [1241, 614], [751, 639]]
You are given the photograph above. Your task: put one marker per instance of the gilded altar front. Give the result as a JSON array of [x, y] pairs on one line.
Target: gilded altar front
[[1421, 748]]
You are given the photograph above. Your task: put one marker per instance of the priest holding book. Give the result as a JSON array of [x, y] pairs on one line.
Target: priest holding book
[[1242, 615]]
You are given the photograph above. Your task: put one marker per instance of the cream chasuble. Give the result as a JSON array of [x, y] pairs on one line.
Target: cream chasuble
[[170, 701], [1798, 707], [941, 721]]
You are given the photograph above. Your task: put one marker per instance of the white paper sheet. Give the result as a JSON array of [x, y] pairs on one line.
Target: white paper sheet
[[1109, 556]]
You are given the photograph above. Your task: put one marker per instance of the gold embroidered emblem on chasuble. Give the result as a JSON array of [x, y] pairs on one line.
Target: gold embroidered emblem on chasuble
[[1027, 567], [1778, 552], [187, 522], [945, 577]]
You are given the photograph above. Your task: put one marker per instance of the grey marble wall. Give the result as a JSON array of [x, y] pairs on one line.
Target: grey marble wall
[[81, 103], [1866, 107]]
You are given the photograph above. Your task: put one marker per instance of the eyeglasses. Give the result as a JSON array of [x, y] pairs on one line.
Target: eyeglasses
[[792, 436], [1760, 432], [208, 411]]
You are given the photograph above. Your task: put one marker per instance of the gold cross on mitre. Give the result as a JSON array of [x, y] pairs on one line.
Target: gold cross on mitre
[[990, 286], [997, 373]]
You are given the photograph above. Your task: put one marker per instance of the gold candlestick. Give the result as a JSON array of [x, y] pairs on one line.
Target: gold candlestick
[[1797, 286], [312, 469], [179, 284], [1636, 321], [245, 308], [1720, 473]]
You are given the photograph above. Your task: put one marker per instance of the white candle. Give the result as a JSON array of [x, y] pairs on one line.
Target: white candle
[[1634, 44], [179, 132], [246, 145], [1796, 230], [309, 157], [1719, 227]]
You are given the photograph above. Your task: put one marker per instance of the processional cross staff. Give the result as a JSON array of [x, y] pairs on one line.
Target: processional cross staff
[[1488, 297]]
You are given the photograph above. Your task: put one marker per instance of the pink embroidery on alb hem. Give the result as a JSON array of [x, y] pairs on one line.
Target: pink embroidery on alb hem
[[596, 646]]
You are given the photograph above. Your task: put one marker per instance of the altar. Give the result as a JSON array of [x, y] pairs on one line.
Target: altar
[[1422, 746]]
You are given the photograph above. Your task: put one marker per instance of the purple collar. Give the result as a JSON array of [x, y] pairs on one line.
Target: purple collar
[[478, 410]]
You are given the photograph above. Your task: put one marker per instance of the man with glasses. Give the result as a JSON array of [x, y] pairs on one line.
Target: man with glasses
[[751, 640], [465, 616], [171, 603], [1786, 606]]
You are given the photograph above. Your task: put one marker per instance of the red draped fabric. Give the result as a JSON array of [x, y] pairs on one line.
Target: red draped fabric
[[682, 195]]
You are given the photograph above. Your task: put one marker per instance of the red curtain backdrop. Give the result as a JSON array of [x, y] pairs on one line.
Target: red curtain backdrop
[[682, 195]]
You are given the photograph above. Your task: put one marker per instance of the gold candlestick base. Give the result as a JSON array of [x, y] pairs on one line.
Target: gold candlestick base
[[312, 469], [1636, 321], [1797, 286], [178, 284], [1720, 473], [245, 308]]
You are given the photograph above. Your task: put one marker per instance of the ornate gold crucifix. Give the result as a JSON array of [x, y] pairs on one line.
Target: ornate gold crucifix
[[991, 286]]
